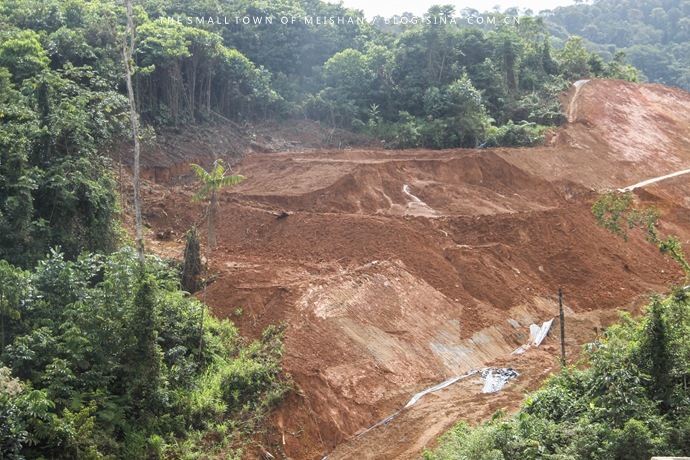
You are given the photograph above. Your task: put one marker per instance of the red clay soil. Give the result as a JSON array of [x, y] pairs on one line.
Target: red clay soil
[[395, 271]]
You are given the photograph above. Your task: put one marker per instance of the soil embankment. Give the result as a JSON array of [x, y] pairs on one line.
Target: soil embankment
[[397, 270]]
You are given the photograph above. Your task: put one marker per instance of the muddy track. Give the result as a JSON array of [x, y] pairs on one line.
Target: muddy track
[[398, 270]]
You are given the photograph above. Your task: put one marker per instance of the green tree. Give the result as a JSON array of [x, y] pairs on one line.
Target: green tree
[[348, 80], [508, 50], [618, 68], [462, 118], [12, 289], [348, 71], [614, 212], [574, 58], [212, 182], [22, 54], [144, 356], [127, 53]]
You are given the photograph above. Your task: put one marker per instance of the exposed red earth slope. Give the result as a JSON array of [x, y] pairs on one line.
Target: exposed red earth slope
[[396, 270]]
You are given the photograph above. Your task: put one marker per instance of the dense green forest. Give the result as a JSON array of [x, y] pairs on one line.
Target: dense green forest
[[655, 34], [102, 361], [434, 85]]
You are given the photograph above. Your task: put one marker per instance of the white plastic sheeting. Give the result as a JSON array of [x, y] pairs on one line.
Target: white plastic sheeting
[[494, 382], [417, 207], [416, 398], [573, 106], [406, 190], [520, 350], [440, 386], [651, 181], [538, 334]]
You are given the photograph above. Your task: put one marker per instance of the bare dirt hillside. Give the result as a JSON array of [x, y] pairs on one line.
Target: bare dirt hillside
[[396, 270]]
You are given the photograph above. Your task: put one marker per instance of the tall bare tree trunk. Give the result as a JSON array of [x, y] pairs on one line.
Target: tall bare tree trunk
[[208, 89], [2, 314], [209, 237], [127, 51]]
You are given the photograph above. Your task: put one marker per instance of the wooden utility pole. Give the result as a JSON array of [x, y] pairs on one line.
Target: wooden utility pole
[[560, 306]]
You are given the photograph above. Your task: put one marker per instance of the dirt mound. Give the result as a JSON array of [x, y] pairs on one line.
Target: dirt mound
[[397, 270], [459, 183]]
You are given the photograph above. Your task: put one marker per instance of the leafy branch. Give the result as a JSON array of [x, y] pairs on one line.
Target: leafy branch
[[615, 212]]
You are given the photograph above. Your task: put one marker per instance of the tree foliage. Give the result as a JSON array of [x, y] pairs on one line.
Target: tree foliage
[[104, 363], [55, 188], [189, 69], [615, 212], [654, 35], [212, 182], [514, 73]]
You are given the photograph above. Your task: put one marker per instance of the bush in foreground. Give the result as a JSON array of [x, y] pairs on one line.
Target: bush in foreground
[[102, 363]]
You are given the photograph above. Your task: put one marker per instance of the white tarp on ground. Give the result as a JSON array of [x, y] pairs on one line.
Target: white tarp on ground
[[538, 334], [416, 397], [498, 381], [520, 350], [494, 382]]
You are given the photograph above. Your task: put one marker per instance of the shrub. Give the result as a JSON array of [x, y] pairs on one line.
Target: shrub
[[109, 365]]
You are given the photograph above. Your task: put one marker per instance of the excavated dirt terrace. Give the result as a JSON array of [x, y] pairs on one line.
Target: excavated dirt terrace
[[397, 270]]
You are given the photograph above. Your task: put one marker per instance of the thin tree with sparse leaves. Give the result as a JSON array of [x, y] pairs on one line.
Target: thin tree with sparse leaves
[[127, 52], [212, 181]]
